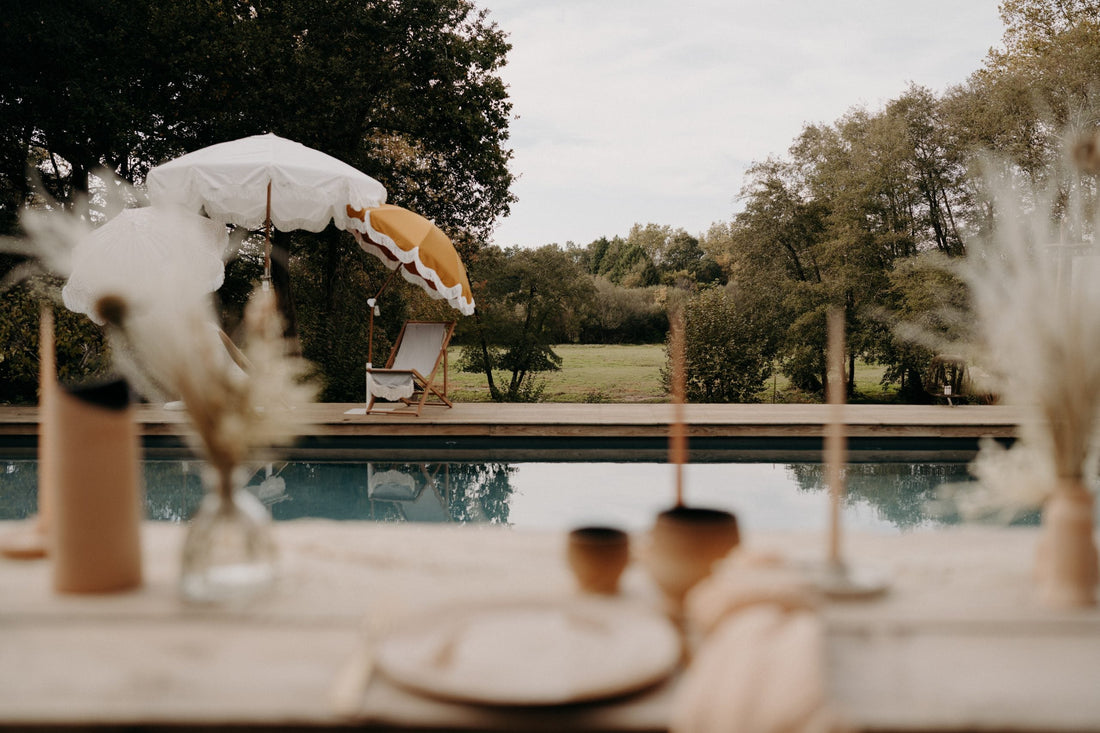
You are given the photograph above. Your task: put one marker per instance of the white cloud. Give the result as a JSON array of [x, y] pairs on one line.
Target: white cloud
[[651, 110]]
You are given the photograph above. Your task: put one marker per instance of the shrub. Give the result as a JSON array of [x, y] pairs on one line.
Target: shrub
[[729, 352]]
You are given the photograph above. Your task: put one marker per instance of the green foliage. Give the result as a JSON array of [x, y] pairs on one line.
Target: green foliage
[[621, 261], [1040, 87], [528, 300], [479, 492], [408, 92], [649, 255], [900, 493], [81, 349], [727, 357], [335, 320], [803, 359], [619, 315], [928, 297]]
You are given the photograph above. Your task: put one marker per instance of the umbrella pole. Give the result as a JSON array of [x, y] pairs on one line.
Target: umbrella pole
[[371, 302], [370, 338], [267, 236]]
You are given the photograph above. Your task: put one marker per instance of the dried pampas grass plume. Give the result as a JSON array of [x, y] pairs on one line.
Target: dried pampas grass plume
[[176, 350], [1033, 284]]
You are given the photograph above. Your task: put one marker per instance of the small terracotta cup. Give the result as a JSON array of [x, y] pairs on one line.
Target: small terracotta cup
[[597, 556], [684, 545]]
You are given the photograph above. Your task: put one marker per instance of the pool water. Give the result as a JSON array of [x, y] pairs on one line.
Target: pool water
[[882, 497]]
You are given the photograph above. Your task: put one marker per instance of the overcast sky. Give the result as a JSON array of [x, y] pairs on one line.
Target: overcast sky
[[651, 110]]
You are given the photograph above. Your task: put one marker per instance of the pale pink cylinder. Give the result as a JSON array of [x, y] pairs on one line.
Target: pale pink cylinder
[[98, 502]]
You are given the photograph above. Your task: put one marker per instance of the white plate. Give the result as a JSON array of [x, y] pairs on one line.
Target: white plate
[[536, 652]]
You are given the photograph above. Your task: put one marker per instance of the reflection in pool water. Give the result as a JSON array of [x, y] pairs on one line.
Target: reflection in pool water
[[769, 496]]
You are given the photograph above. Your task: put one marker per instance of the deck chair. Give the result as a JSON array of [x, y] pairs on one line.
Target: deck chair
[[410, 374]]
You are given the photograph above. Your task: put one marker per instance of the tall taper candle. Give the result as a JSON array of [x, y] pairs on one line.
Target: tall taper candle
[[677, 442], [835, 435]]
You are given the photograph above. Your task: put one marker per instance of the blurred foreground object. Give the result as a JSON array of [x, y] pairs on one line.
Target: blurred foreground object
[[99, 503]]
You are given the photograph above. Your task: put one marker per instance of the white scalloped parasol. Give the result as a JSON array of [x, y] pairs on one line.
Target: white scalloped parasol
[[140, 252], [266, 180]]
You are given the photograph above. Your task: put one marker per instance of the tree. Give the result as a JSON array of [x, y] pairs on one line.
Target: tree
[[929, 299], [777, 249], [528, 300], [829, 225], [1031, 26], [1038, 93], [622, 261], [81, 348], [408, 92], [728, 352]]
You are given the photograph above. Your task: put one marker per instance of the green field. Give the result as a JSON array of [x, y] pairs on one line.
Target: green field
[[632, 373]]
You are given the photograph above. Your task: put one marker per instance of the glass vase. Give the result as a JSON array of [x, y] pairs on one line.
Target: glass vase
[[228, 554], [1067, 565]]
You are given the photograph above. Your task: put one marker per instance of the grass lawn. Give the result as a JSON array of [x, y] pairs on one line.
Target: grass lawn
[[632, 373]]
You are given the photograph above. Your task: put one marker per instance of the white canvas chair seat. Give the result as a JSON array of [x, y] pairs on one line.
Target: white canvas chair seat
[[392, 387], [420, 350]]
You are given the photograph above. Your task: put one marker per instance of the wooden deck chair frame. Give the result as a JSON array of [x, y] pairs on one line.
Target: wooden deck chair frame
[[425, 384]]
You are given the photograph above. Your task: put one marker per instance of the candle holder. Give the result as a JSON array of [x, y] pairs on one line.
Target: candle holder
[[684, 545], [597, 556]]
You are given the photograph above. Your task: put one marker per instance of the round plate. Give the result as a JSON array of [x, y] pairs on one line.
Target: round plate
[[544, 652]]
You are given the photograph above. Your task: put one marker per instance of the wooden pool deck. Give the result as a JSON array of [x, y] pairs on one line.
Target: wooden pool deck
[[601, 432], [487, 420]]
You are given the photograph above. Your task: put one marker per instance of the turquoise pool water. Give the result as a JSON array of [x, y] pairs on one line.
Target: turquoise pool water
[[882, 496]]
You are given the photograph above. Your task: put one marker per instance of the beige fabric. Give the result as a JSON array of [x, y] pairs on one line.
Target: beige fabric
[[761, 667]]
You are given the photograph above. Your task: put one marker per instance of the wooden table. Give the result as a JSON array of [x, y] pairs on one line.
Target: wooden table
[[958, 644]]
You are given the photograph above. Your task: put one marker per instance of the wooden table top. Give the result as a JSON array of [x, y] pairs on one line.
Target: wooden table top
[[957, 644]]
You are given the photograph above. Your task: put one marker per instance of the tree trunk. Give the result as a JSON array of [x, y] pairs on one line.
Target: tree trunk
[[330, 240], [486, 361], [280, 281], [851, 373], [519, 369]]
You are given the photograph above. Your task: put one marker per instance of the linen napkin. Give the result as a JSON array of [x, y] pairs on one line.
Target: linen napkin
[[760, 666]]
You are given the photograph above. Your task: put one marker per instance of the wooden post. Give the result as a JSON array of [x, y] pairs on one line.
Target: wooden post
[[835, 437], [267, 236], [677, 447]]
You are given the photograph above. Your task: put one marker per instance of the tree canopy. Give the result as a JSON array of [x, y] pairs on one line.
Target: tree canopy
[[409, 92]]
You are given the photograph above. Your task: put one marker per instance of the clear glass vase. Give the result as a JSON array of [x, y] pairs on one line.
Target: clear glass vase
[[228, 555]]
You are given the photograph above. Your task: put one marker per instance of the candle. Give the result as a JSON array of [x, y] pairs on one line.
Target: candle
[[677, 444], [835, 438]]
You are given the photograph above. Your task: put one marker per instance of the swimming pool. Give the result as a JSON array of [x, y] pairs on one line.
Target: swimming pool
[[883, 496]]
